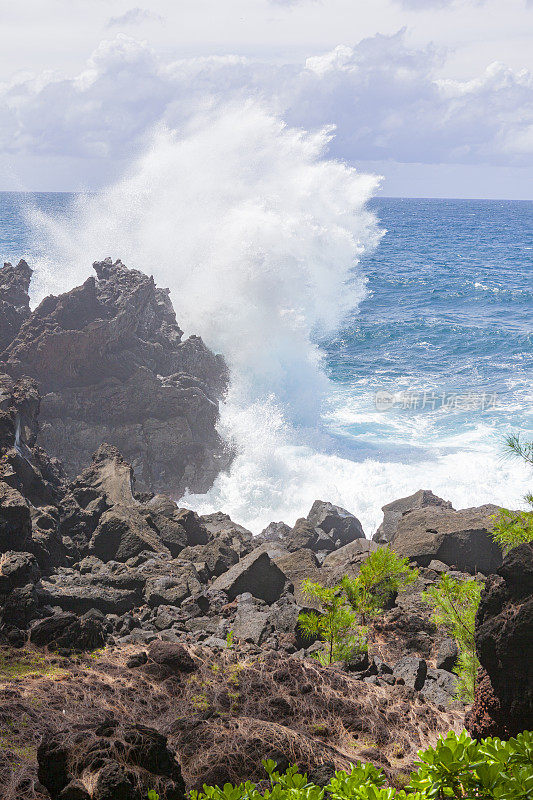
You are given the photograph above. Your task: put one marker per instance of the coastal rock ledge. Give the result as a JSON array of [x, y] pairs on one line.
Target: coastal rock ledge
[[112, 366]]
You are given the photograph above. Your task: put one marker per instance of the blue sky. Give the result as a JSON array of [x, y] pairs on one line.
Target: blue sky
[[436, 96]]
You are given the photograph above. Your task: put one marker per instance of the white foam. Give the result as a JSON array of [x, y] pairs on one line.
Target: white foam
[[258, 236]]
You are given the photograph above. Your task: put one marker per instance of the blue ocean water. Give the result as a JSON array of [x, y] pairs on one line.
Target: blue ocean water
[[447, 324], [429, 373]]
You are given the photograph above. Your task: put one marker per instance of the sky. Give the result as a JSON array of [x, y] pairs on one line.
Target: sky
[[434, 95]]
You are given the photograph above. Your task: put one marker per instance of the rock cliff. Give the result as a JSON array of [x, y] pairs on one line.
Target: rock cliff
[[112, 365]]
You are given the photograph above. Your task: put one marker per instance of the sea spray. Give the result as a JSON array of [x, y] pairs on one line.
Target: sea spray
[[258, 235]]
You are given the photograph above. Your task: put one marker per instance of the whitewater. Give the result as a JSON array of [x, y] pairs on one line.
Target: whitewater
[[263, 241]]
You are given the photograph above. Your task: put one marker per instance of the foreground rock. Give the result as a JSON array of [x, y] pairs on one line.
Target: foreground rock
[[504, 701], [460, 539], [112, 366], [108, 761]]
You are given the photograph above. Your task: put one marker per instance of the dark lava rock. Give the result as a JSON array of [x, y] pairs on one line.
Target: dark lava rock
[[255, 573], [171, 657], [111, 761], [339, 525], [447, 655], [461, 539], [14, 300], [16, 570], [504, 643], [393, 512], [70, 632], [413, 671], [112, 366]]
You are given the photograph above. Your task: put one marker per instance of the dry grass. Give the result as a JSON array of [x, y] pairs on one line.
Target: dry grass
[[221, 719]]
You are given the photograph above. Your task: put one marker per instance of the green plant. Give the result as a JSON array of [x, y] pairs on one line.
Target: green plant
[[229, 640], [335, 625], [152, 795], [454, 604], [381, 575], [456, 768], [512, 528], [515, 446], [459, 767]]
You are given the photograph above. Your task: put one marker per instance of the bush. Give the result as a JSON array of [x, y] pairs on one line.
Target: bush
[[457, 767], [335, 625], [455, 604], [512, 528], [382, 575]]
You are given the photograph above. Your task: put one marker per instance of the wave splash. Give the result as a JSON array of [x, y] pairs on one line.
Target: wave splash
[[258, 235], [254, 232]]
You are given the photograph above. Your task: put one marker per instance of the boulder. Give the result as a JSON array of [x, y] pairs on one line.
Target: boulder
[[70, 595], [412, 670], [15, 520], [71, 632], [16, 570], [252, 621], [171, 658], [439, 687], [255, 573], [110, 760], [460, 539], [339, 525], [113, 366], [123, 533], [393, 512], [504, 644], [217, 557], [447, 655], [299, 566], [219, 526], [347, 560]]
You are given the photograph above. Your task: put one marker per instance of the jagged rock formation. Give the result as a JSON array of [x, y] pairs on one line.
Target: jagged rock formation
[[14, 300], [393, 512], [112, 367], [425, 528], [504, 642]]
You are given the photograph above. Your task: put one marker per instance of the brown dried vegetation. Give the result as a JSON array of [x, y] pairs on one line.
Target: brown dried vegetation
[[221, 719]]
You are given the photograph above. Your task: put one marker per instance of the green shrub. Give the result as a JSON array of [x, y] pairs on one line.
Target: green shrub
[[457, 767], [455, 604], [512, 528], [335, 625], [381, 575]]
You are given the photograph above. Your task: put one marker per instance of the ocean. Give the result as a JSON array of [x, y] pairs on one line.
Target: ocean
[[423, 376]]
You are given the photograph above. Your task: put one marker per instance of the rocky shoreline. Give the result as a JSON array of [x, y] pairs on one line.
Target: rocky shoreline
[[104, 414]]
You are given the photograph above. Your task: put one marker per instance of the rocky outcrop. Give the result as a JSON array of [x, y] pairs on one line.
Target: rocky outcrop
[[113, 367], [14, 300], [460, 539], [31, 484], [255, 573], [504, 642], [326, 528], [393, 512]]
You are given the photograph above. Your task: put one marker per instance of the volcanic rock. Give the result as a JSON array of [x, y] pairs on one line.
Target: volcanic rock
[[393, 512], [412, 670], [14, 300], [504, 644], [255, 573], [109, 760], [112, 366], [461, 539]]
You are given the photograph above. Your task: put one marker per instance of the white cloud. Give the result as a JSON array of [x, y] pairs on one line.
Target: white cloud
[[383, 96], [134, 16]]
